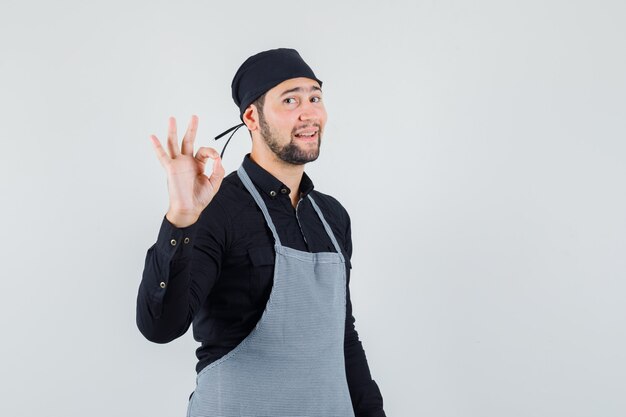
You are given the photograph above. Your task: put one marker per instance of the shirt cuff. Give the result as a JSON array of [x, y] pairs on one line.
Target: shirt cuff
[[175, 243]]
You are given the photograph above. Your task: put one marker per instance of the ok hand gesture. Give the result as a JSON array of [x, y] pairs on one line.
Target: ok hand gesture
[[190, 190]]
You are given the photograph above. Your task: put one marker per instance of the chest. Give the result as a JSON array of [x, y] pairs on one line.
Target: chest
[[298, 227]]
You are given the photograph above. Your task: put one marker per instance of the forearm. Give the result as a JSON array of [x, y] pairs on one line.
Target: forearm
[[179, 271], [162, 308], [367, 399]]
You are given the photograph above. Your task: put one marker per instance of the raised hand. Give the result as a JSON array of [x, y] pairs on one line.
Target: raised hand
[[190, 190]]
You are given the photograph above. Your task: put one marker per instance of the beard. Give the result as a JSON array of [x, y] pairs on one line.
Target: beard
[[291, 152]]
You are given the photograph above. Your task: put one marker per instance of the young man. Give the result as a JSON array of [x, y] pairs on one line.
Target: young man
[[259, 261]]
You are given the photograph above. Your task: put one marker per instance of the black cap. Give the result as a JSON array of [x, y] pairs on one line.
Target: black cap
[[265, 70]]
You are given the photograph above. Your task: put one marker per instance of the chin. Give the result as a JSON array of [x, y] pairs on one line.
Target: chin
[[298, 158]]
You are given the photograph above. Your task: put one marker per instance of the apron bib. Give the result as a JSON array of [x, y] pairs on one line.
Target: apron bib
[[292, 363]]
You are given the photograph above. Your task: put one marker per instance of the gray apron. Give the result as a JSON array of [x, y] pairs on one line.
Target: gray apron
[[292, 362]]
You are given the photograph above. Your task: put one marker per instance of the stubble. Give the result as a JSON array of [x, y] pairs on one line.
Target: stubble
[[291, 152]]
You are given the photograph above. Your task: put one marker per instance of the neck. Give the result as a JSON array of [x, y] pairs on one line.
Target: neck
[[288, 174]]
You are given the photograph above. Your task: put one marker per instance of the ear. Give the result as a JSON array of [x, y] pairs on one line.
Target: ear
[[251, 117]]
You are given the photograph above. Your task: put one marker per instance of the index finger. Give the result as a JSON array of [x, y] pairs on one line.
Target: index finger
[[161, 154], [190, 136]]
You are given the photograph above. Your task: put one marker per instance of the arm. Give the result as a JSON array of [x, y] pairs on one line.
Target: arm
[[367, 400], [178, 277], [182, 266]]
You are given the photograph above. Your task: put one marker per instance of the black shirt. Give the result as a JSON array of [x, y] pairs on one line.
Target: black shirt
[[218, 272]]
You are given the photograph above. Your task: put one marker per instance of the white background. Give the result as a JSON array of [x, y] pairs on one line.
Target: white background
[[479, 148]]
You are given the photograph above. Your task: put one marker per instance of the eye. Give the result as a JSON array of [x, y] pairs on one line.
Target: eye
[[316, 99], [288, 102]]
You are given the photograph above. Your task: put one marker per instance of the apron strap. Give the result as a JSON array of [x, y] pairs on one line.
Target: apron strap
[[247, 182], [327, 227]]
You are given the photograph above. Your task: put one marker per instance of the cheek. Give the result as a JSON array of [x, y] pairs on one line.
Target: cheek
[[322, 113], [289, 128], [323, 117]]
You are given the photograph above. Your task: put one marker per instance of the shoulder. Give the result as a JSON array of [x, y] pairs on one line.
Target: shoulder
[[231, 198], [232, 195]]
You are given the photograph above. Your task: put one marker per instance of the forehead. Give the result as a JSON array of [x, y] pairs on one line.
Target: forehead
[[306, 84]]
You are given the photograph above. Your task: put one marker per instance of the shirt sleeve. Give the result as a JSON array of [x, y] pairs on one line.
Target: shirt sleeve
[[367, 401], [179, 272]]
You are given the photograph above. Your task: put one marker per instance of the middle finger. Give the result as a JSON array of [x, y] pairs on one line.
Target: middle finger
[[172, 138], [190, 136]]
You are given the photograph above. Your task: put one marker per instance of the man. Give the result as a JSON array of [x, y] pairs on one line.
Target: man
[[259, 261]]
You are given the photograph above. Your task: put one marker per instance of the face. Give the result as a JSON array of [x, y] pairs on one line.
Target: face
[[293, 119]]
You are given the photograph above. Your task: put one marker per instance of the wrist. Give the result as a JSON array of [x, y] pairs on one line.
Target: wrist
[[181, 219]]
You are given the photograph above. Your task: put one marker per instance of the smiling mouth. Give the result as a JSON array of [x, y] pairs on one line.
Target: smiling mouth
[[307, 136]]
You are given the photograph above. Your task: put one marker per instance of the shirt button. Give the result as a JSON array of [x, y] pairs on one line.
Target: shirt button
[[186, 240], [284, 191], [273, 193], [173, 242], [162, 284]]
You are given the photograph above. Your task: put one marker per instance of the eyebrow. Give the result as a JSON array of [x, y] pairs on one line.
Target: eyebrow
[[300, 89]]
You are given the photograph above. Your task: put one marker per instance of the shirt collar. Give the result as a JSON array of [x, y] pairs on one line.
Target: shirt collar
[[271, 185]]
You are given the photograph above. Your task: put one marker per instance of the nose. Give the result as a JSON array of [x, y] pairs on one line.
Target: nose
[[309, 111]]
